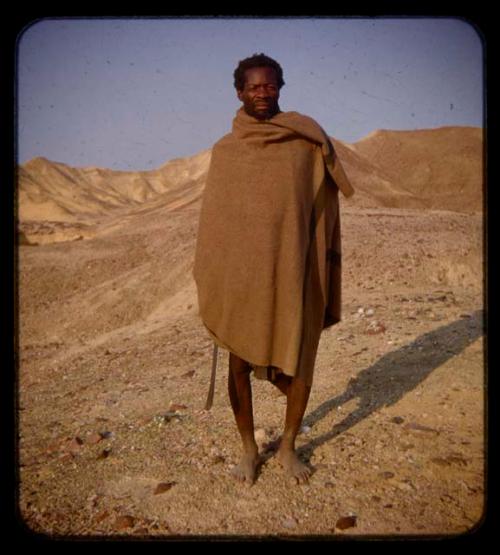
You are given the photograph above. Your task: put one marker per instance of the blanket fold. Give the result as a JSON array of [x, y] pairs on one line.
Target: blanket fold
[[268, 255]]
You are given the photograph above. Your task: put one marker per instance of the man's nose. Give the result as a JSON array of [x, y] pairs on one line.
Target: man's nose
[[262, 93]]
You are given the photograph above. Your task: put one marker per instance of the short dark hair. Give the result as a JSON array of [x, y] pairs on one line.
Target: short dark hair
[[257, 60]]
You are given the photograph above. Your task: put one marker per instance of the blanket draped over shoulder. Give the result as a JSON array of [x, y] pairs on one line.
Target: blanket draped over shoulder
[[268, 258]]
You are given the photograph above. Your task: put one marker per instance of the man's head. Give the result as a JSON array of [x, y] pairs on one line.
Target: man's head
[[258, 80]]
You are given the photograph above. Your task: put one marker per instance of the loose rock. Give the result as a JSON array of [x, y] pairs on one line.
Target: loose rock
[[175, 407], [94, 438], [397, 420], [124, 521], [375, 327], [289, 523], [104, 454], [346, 522], [162, 487]]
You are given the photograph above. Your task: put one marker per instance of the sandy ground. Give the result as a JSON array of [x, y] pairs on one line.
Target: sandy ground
[[114, 371]]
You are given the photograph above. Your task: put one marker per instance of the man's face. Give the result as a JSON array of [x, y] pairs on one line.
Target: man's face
[[261, 93]]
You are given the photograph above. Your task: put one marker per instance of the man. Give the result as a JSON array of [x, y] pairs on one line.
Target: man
[[267, 263]]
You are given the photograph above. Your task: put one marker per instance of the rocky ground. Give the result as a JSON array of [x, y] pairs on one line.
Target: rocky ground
[[114, 370]]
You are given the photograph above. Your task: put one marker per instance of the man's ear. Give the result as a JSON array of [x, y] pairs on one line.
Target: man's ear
[[239, 94]]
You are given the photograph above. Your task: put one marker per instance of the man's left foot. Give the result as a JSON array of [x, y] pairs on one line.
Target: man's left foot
[[293, 466]]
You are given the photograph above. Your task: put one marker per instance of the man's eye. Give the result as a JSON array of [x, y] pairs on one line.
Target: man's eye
[[271, 88]]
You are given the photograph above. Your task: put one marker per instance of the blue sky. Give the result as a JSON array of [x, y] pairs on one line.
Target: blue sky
[[131, 94]]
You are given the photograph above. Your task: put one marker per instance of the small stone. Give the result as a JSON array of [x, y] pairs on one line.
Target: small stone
[[386, 474], [375, 327], [74, 446], [125, 521], [404, 486], [162, 487], [397, 420], [289, 523], [370, 312], [99, 517], [176, 407], [104, 454], [168, 416], [305, 429], [346, 522], [94, 438], [188, 374]]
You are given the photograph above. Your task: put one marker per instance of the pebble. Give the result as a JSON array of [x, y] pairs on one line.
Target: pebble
[[75, 445], [289, 523], [162, 487], [397, 419], [99, 517], [94, 438], [176, 407], [104, 454], [124, 521], [375, 327], [345, 522]]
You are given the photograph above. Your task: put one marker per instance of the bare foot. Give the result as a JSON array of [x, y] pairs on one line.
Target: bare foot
[[293, 466], [246, 470]]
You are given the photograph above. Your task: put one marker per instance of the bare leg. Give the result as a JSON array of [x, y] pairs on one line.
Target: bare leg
[[240, 395], [297, 397]]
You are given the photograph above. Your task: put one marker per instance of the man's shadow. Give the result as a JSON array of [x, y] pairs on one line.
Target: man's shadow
[[395, 374]]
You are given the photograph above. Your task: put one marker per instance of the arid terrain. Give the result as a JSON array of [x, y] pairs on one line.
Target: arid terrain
[[114, 362]]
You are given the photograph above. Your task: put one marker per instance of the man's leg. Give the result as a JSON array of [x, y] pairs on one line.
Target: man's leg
[[297, 397], [240, 395]]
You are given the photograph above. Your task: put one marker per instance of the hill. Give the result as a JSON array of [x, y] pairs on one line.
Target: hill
[[438, 169]]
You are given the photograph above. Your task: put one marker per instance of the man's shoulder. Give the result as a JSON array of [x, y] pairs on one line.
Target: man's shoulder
[[303, 125], [299, 118]]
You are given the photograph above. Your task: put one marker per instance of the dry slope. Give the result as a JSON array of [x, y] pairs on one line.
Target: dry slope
[[114, 367]]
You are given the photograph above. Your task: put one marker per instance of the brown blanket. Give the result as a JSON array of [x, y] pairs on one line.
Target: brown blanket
[[267, 263]]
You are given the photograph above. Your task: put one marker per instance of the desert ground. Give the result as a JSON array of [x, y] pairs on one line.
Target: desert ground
[[114, 362]]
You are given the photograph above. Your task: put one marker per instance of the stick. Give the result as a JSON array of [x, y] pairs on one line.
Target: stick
[[211, 389]]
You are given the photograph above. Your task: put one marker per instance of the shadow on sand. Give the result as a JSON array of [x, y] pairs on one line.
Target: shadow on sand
[[395, 374]]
